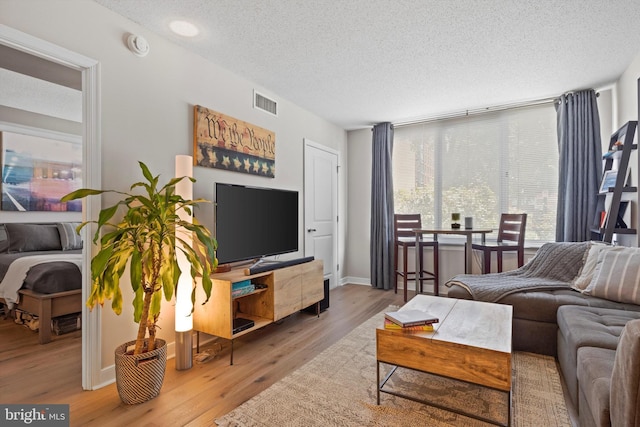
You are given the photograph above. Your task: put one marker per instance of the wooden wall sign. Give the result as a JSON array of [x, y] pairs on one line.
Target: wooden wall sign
[[223, 142]]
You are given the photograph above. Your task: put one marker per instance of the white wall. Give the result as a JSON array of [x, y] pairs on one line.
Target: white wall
[[627, 92], [606, 112], [627, 109], [359, 206], [147, 114]]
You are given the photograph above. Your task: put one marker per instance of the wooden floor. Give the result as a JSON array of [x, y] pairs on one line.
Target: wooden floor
[[188, 398]]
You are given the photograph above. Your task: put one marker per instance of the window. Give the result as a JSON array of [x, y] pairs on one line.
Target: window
[[480, 166]]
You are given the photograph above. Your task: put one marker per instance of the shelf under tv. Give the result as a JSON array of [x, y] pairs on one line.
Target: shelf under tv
[[287, 290]]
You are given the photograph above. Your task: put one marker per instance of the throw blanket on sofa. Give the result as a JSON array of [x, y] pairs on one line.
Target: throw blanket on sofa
[[18, 269], [554, 266]]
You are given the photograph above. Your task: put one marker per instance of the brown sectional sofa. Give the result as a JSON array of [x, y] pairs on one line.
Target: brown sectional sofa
[[582, 331]]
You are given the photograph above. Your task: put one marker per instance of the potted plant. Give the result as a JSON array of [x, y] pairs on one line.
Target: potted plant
[[145, 240]]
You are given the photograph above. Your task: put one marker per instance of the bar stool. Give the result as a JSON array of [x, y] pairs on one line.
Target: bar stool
[[510, 239], [404, 224]]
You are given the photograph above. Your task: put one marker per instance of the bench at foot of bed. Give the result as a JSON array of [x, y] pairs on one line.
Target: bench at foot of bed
[[47, 306]]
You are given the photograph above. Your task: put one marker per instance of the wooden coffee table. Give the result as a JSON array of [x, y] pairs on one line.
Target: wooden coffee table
[[471, 343]]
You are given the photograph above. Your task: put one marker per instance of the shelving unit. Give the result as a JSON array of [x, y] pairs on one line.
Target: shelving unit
[[287, 290], [609, 197]]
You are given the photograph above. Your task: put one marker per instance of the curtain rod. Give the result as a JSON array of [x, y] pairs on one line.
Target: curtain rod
[[476, 111]]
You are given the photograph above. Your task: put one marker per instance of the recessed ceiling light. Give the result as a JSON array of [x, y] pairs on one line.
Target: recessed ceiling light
[[184, 28]]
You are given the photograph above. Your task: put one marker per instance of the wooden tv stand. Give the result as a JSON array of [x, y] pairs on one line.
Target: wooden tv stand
[[288, 290]]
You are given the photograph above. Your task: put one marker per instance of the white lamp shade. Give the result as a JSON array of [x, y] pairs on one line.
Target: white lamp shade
[[184, 319]]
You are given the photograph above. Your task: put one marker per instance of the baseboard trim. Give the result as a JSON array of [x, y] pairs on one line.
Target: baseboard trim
[[107, 376], [350, 280]]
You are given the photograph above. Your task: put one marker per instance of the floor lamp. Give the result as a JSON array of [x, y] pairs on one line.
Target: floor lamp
[[184, 319]]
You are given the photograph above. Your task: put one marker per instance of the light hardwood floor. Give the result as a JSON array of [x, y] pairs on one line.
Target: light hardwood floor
[[193, 397]]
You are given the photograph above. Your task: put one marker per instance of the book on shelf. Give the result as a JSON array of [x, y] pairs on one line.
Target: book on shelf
[[242, 284], [243, 291], [406, 318], [603, 219], [242, 288], [388, 324]]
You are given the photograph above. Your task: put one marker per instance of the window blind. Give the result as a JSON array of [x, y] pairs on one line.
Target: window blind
[[480, 166]]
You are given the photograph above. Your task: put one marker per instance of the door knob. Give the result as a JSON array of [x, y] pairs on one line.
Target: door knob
[[310, 230]]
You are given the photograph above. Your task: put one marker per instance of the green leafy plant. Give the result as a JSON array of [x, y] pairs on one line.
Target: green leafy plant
[[145, 240]]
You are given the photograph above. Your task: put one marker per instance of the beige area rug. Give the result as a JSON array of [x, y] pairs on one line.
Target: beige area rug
[[338, 388]]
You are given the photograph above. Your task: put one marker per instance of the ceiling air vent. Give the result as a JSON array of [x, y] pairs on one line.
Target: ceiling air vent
[[265, 104]]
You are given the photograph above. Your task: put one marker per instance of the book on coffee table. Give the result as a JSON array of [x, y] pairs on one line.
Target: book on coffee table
[[388, 324], [406, 318]]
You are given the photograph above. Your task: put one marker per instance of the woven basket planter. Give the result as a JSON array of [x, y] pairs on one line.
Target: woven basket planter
[[139, 378]]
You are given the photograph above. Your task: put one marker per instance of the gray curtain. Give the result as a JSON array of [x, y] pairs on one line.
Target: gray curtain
[[580, 166], [382, 234]]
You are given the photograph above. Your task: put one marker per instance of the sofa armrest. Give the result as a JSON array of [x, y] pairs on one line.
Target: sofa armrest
[[625, 380]]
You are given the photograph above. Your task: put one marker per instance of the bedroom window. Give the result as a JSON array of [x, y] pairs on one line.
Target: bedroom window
[[480, 166]]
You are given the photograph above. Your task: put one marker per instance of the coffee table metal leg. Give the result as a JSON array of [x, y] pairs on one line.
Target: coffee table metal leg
[[509, 401], [384, 381], [378, 383], [439, 406]]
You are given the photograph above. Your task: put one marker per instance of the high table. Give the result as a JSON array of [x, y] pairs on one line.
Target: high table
[[469, 232]]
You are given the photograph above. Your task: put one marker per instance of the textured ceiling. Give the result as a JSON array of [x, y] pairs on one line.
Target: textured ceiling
[[360, 62]]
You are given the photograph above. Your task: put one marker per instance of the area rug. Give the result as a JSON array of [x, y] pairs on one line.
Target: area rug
[[338, 388]]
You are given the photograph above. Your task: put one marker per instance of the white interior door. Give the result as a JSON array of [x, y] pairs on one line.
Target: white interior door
[[321, 207]]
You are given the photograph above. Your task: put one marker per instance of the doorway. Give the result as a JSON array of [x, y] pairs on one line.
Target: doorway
[[89, 68]]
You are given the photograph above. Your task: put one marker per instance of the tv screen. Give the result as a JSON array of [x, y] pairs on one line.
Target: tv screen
[[254, 222]]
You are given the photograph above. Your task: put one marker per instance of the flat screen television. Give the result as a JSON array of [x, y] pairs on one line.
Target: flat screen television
[[254, 222]]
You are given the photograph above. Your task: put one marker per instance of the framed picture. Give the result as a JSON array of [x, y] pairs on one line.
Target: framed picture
[[608, 180], [224, 142], [38, 169]]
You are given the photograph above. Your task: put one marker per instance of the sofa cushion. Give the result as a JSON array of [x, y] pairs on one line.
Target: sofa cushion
[[617, 275], [542, 306], [593, 326], [583, 279], [594, 379], [32, 237], [586, 327], [535, 315], [625, 379]]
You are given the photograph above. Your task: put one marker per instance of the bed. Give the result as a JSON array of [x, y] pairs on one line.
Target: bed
[[41, 271]]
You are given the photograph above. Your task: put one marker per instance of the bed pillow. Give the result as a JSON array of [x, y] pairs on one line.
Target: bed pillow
[[583, 278], [69, 238], [617, 275], [33, 237], [4, 240]]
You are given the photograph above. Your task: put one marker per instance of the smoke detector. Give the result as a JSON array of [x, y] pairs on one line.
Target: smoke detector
[[138, 45]]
